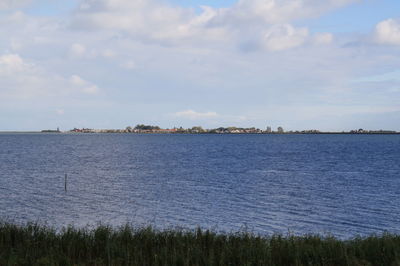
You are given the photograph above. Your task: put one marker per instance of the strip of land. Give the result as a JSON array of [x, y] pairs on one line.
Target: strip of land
[[149, 129], [144, 129]]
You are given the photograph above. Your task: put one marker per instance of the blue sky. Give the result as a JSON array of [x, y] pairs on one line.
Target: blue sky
[[357, 17], [300, 64]]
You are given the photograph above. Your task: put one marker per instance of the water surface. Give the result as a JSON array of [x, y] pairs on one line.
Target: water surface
[[339, 184]]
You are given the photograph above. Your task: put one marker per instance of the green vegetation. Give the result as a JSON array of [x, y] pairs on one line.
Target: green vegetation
[[147, 127], [38, 245]]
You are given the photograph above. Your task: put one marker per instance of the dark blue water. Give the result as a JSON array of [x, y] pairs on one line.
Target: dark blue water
[[340, 184]]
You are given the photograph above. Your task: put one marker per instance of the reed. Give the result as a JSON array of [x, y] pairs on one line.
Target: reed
[[33, 244]]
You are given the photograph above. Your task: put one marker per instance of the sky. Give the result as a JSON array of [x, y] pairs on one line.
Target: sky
[[300, 64]]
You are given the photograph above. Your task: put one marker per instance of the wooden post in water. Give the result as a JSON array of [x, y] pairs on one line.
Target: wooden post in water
[[65, 183]]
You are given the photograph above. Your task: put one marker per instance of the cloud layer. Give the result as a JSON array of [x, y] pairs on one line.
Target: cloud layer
[[8, 4], [111, 63], [264, 23]]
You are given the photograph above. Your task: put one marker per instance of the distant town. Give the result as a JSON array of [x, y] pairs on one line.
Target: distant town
[[149, 129]]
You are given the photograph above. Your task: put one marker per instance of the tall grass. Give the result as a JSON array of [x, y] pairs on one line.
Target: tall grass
[[33, 244]]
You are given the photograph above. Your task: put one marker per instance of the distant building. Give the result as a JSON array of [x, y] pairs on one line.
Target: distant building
[[269, 129], [280, 130]]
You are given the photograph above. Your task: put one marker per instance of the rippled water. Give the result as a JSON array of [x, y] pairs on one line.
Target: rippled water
[[341, 184]]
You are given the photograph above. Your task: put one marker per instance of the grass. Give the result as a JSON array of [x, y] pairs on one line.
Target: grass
[[33, 244]]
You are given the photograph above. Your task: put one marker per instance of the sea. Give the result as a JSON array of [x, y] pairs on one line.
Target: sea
[[339, 185]]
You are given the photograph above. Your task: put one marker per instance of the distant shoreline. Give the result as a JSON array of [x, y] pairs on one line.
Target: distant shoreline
[[20, 132], [151, 129], [186, 133]]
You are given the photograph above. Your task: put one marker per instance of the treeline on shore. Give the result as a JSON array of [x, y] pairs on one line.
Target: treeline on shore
[[142, 129], [33, 244]]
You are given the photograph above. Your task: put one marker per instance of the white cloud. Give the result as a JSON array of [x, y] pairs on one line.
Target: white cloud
[[12, 63], [77, 49], [19, 78], [24, 32], [8, 4], [265, 21], [77, 81], [80, 51], [26, 80], [83, 85], [282, 11], [323, 38], [388, 32], [282, 37], [15, 17], [193, 115], [135, 17]]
